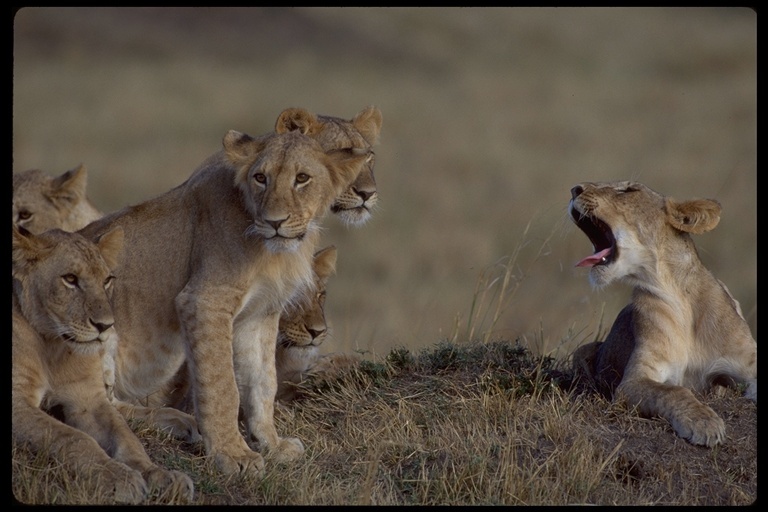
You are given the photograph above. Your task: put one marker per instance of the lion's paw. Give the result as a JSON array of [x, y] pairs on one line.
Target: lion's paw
[[181, 425], [126, 484], [172, 486], [701, 426], [288, 449], [248, 463]]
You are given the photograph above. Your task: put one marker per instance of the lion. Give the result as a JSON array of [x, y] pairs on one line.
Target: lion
[[353, 207], [355, 204], [42, 202], [61, 319], [302, 329], [683, 331], [207, 269]]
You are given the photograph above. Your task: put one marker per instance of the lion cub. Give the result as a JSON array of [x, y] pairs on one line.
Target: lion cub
[[42, 202], [683, 331], [302, 330], [61, 319]]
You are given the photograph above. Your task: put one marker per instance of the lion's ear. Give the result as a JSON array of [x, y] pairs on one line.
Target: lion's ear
[[111, 245], [239, 147], [695, 216], [324, 262], [368, 123], [70, 186], [27, 249], [296, 118], [345, 165]]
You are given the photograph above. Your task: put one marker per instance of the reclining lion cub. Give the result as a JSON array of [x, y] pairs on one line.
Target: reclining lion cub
[[207, 269], [683, 331], [61, 318]]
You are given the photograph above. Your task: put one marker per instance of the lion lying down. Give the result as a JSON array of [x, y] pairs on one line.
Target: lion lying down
[[683, 331], [62, 320]]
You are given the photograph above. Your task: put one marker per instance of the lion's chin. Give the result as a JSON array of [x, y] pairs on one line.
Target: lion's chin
[[88, 347], [279, 244]]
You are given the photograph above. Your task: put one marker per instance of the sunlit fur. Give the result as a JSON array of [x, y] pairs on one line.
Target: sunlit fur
[[683, 330]]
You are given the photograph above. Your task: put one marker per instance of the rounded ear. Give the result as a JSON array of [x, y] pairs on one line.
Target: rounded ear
[[111, 245], [296, 118], [26, 249], [70, 185], [695, 216], [324, 262], [238, 146], [368, 123]]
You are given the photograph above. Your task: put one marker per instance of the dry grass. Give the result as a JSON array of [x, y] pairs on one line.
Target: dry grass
[[460, 424]]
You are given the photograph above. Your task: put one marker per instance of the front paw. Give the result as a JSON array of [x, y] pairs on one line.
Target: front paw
[[700, 425], [126, 484], [172, 486], [248, 463], [288, 449]]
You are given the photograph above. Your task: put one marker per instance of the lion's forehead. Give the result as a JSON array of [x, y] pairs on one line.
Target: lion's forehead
[[340, 134], [77, 257]]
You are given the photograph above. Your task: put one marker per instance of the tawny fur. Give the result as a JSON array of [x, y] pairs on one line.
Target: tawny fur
[[207, 270], [42, 202], [683, 330], [62, 320]]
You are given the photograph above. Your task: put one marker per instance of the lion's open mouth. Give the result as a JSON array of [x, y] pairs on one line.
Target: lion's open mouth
[[600, 235]]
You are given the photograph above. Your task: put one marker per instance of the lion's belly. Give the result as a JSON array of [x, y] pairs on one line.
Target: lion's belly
[[143, 371]]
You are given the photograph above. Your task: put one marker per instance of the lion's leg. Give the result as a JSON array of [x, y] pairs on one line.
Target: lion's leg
[[691, 419], [89, 410], [255, 339], [207, 324], [179, 424], [71, 447]]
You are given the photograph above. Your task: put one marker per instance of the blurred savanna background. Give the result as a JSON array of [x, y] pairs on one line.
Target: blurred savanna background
[[490, 116]]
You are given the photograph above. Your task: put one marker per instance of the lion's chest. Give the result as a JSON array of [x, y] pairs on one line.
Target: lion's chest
[[273, 280]]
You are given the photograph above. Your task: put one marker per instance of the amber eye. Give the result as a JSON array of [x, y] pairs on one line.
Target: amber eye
[[25, 215], [70, 279], [302, 178], [260, 178]]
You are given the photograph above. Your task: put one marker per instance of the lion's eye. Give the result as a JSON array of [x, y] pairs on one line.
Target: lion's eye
[[628, 188], [70, 280], [260, 178], [108, 282], [25, 215], [302, 178]]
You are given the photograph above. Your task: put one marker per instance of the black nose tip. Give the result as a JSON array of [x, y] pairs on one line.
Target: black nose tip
[[101, 327], [364, 194], [576, 191], [315, 333]]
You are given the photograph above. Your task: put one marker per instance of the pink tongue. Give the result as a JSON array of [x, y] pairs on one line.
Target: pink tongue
[[591, 261]]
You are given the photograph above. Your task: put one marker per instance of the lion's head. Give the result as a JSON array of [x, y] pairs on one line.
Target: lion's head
[[303, 324], [62, 283], [632, 227], [355, 203], [288, 182], [42, 202]]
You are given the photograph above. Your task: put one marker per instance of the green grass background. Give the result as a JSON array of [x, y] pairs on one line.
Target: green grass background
[[490, 116]]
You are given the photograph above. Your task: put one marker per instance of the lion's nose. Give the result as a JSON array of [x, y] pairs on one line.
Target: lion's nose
[[276, 223], [576, 191], [364, 194], [101, 327]]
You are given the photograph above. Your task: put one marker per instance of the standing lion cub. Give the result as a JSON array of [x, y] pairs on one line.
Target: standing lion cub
[[207, 269], [683, 331]]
